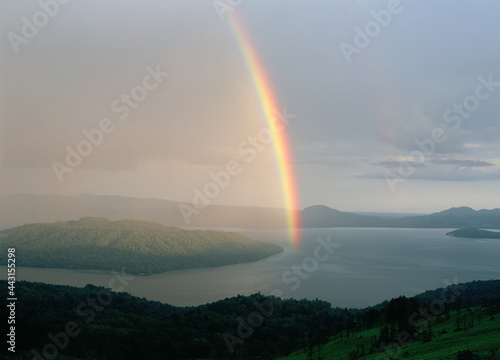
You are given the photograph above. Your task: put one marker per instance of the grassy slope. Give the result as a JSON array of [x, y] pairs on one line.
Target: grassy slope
[[481, 339]]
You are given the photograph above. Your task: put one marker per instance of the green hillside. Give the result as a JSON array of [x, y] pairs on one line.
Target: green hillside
[[118, 326], [481, 340], [139, 246], [460, 322]]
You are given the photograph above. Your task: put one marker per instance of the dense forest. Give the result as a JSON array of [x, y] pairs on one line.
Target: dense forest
[[137, 246], [474, 233], [115, 325]]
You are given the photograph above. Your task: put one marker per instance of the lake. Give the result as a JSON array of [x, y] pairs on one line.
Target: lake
[[360, 267]]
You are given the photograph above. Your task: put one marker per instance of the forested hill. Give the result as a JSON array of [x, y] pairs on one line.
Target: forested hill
[[117, 326], [474, 233], [137, 246]]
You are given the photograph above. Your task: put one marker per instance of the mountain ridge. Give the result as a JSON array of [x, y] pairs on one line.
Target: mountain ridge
[[16, 210]]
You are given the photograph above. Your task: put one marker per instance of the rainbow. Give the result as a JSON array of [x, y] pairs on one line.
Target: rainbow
[[270, 108]]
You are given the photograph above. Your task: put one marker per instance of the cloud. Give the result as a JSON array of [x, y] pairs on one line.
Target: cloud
[[489, 134], [436, 170], [458, 175], [407, 127], [390, 164], [462, 162], [353, 120]]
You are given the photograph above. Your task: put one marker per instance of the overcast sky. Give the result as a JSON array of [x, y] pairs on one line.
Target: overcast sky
[[396, 105]]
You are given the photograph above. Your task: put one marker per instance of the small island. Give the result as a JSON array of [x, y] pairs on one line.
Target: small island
[[474, 233], [141, 247]]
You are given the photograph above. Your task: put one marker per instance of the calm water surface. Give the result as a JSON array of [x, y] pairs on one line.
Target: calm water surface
[[366, 267]]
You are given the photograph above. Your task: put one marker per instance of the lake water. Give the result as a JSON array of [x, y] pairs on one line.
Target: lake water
[[365, 267]]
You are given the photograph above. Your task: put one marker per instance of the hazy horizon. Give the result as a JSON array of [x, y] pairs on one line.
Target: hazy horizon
[[381, 212], [387, 109]]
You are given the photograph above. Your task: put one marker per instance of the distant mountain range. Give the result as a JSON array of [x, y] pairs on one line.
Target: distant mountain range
[[461, 217], [17, 210]]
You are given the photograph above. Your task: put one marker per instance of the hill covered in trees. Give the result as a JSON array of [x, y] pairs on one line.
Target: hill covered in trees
[[459, 322], [115, 325], [138, 246], [474, 233]]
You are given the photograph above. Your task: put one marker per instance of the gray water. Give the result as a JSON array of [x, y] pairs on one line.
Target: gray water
[[366, 266]]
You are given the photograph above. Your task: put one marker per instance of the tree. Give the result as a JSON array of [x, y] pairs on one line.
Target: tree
[[353, 355], [467, 355]]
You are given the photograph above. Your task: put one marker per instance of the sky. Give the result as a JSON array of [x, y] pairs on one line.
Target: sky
[[390, 106]]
